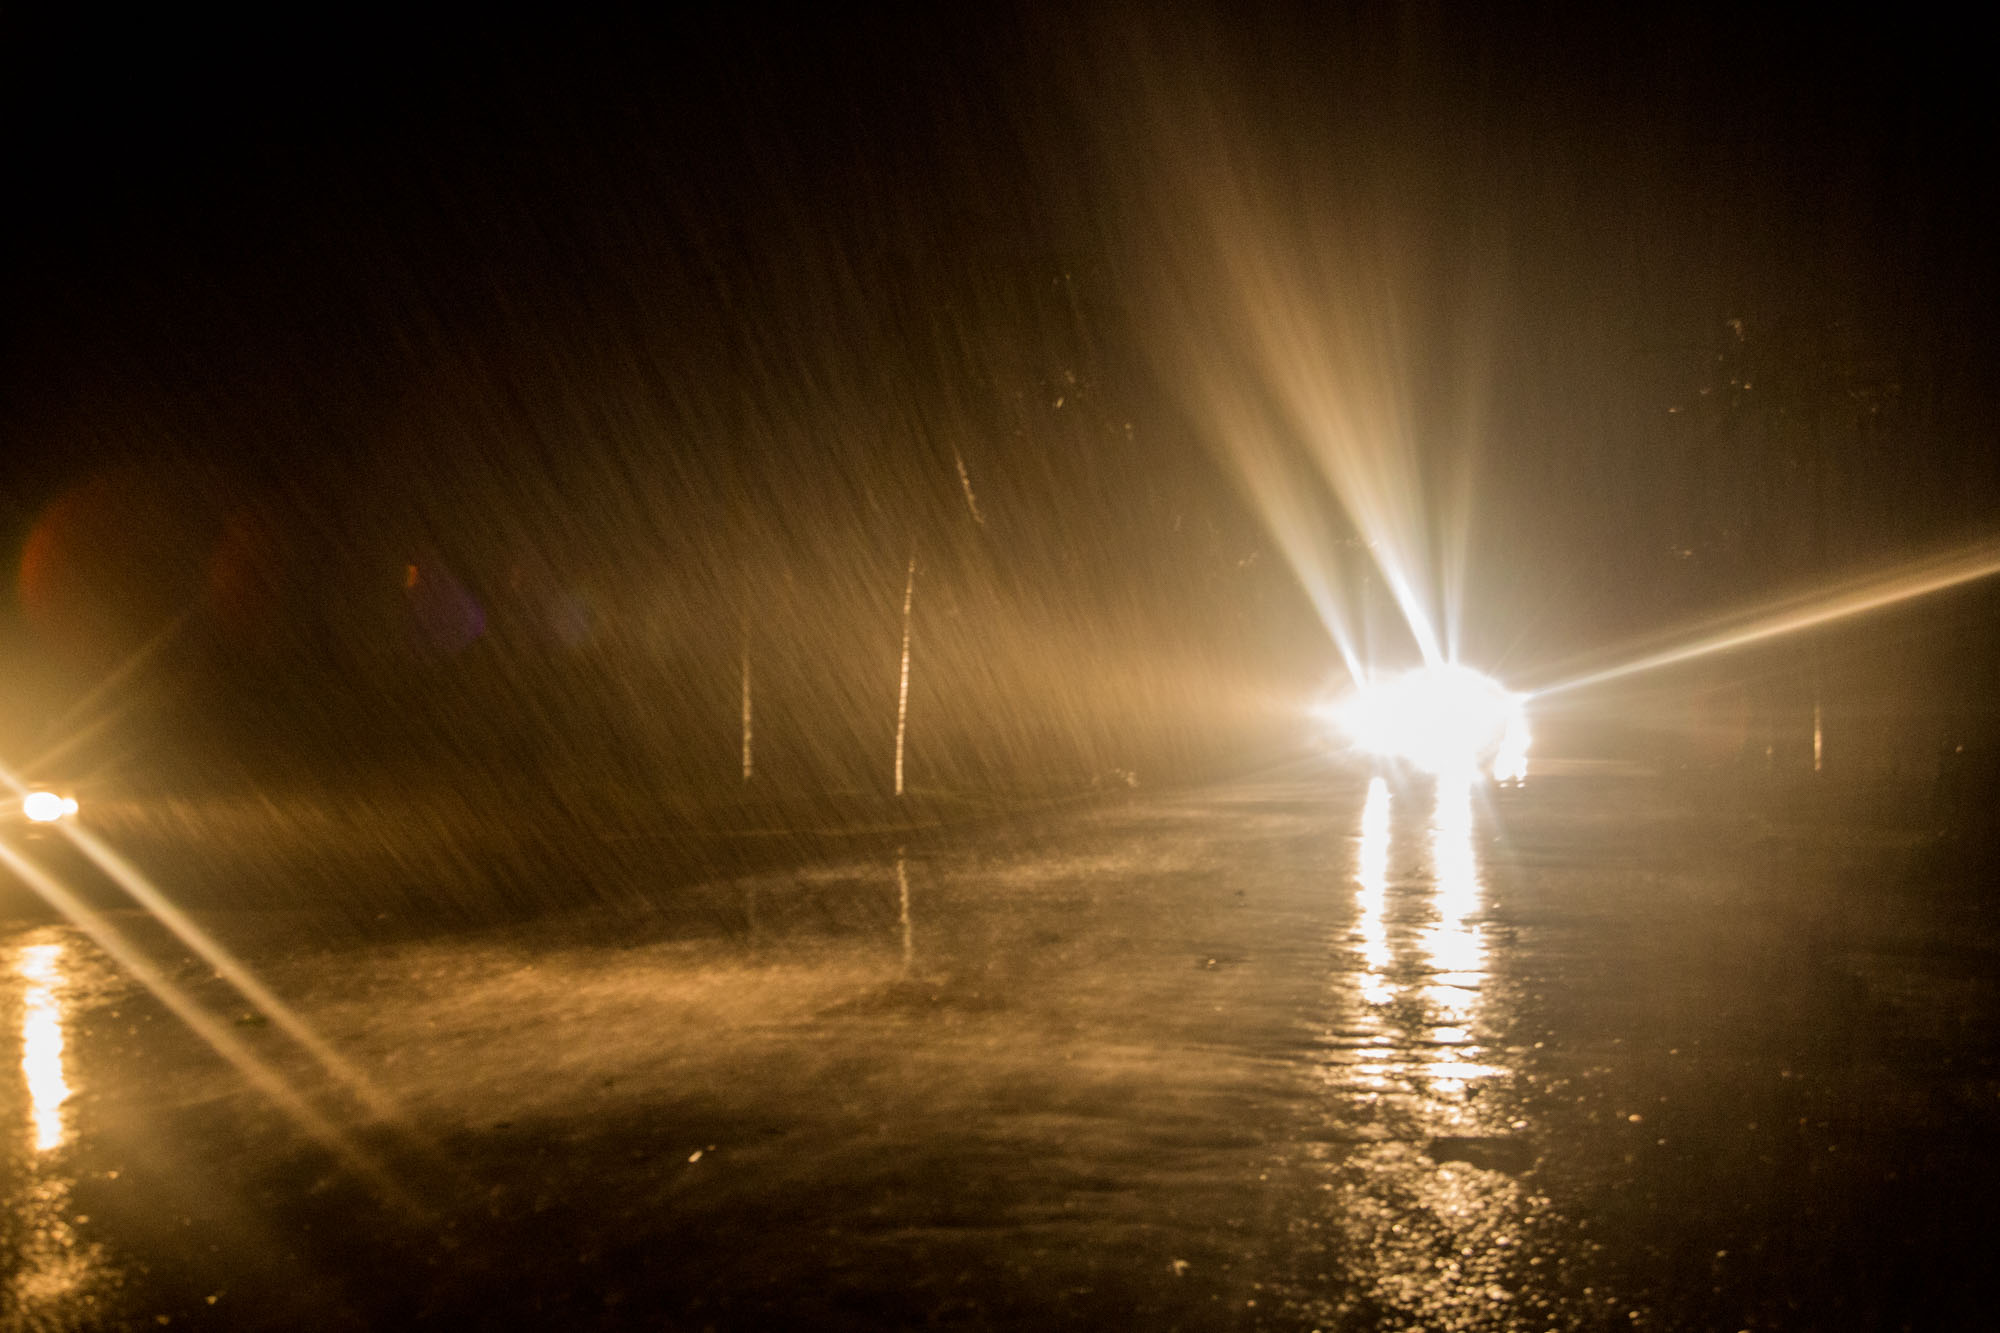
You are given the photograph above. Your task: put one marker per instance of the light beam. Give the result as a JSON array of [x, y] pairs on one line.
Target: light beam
[[1801, 612], [234, 971], [223, 1042]]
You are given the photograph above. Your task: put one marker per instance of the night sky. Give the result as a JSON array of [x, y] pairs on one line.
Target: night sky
[[453, 397]]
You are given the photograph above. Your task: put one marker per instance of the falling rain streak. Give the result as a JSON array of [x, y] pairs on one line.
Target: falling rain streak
[[457, 510]]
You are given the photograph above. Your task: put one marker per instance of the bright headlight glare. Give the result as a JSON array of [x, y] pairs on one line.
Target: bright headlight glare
[[1445, 719], [45, 807]]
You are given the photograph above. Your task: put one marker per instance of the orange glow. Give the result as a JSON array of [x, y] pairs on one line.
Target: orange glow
[[109, 561]]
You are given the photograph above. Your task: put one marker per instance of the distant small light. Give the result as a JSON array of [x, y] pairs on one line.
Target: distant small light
[[45, 807]]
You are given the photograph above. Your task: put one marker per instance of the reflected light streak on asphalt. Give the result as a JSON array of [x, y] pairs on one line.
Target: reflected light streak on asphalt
[[1429, 1047], [1450, 950], [56, 1275], [56, 1272], [235, 972], [1454, 946], [1806, 611], [41, 967], [246, 1062], [1372, 896], [903, 911], [1441, 1242]]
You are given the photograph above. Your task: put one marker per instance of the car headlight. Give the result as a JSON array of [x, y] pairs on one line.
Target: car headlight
[[1444, 719], [45, 807]]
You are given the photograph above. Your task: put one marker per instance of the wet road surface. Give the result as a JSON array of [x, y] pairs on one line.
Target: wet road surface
[[1305, 1053]]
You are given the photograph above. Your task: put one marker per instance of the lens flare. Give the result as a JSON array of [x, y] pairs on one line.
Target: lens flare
[[1796, 614], [254, 1069], [236, 972]]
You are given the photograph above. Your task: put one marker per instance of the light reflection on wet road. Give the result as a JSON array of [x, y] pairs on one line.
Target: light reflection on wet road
[[1294, 1056], [41, 970], [1425, 1187], [55, 1278], [1425, 1167]]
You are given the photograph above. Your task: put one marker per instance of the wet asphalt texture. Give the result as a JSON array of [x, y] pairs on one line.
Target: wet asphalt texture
[[1609, 1052]]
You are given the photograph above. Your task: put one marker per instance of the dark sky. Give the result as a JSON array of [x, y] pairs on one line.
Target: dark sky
[[592, 309]]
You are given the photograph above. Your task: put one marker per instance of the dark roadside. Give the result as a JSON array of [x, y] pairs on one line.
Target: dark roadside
[[1766, 1022]]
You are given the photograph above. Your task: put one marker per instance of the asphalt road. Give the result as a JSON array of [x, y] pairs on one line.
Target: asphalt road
[[1605, 1053]]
